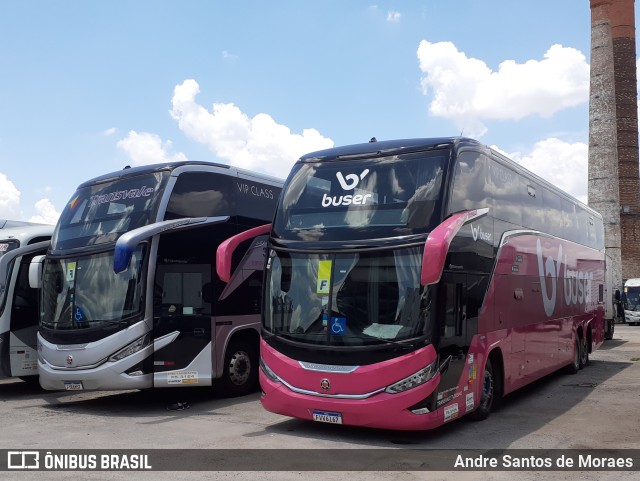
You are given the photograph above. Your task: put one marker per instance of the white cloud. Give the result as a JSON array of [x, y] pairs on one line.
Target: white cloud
[[228, 55], [9, 199], [47, 213], [110, 132], [144, 148], [258, 143], [466, 91], [563, 164], [393, 17]]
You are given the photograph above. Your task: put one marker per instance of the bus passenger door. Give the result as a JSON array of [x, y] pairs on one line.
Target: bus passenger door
[[452, 318], [182, 317], [24, 322]]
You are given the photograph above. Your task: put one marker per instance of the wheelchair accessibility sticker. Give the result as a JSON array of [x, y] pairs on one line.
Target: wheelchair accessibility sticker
[[338, 326]]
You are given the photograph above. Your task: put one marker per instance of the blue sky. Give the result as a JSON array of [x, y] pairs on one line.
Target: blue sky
[[89, 87]]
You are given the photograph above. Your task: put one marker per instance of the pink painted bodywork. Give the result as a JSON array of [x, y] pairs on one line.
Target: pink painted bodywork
[[382, 410], [437, 246], [225, 250], [532, 340]]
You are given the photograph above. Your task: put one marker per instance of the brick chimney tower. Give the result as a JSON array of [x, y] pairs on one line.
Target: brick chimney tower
[[614, 174]]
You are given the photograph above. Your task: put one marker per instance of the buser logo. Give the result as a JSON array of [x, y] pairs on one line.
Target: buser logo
[[347, 182], [353, 179], [577, 284]]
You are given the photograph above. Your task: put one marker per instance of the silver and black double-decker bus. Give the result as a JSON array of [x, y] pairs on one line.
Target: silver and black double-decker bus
[[130, 295]]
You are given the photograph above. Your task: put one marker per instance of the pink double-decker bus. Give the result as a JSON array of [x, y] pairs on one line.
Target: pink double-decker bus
[[412, 282]]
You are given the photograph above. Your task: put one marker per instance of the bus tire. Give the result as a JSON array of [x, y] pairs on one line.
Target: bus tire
[[584, 352], [487, 394], [608, 335], [240, 374], [574, 367]]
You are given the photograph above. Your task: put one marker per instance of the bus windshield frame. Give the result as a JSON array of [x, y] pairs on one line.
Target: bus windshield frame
[[87, 299], [350, 300]]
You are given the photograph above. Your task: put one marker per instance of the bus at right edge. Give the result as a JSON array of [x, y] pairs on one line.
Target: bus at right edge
[[413, 282]]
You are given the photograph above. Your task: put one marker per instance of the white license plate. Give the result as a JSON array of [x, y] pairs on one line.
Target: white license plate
[[327, 417], [73, 385]]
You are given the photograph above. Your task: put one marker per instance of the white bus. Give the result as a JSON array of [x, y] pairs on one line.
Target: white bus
[[130, 295], [632, 301], [19, 243]]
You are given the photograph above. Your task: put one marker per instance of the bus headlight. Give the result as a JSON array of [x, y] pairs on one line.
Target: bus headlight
[[132, 348], [416, 379], [268, 372]]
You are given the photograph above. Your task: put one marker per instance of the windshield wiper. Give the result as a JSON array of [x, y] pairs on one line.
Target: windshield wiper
[[406, 346]]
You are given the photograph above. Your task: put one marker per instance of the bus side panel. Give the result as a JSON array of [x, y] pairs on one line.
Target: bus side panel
[[227, 327], [544, 290], [23, 352]]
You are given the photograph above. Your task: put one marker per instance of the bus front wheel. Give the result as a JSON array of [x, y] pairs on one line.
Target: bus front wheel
[[487, 394], [240, 374]]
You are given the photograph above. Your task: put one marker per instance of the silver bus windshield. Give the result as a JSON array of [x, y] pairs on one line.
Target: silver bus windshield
[[83, 292]]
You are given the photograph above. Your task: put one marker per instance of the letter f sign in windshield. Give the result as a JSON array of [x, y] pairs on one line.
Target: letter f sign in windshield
[[352, 178]]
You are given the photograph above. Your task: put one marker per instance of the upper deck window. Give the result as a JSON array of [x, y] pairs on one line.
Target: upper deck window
[[362, 199], [100, 213]]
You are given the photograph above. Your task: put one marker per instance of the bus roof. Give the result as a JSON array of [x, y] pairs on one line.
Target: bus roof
[[401, 146], [632, 283], [6, 224], [26, 233], [170, 166], [380, 147]]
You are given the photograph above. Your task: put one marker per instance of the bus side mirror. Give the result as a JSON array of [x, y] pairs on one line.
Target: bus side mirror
[[35, 272], [437, 245], [128, 242], [225, 250]]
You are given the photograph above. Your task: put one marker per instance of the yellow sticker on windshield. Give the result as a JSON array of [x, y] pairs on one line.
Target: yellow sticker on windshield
[[71, 271], [324, 277]]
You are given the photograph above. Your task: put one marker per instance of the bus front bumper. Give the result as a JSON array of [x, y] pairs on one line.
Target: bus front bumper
[[109, 376], [382, 410]]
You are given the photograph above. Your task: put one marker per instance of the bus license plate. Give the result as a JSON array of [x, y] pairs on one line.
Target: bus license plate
[[73, 385], [327, 417]]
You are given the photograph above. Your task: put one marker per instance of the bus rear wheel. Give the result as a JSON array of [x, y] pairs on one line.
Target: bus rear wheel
[[584, 352], [574, 367], [240, 374], [487, 394], [608, 334]]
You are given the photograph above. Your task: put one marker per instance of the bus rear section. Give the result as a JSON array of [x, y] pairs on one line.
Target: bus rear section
[[19, 243], [426, 300], [130, 295]]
